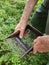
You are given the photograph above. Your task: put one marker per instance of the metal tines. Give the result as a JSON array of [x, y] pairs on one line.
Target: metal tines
[[23, 46]]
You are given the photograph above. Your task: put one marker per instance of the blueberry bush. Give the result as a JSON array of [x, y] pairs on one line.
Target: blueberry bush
[[10, 13]]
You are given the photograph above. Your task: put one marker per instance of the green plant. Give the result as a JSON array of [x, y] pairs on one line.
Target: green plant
[[10, 13]]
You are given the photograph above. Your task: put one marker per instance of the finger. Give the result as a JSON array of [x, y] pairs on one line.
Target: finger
[[13, 34], [16, 32], [37, 40], [36, 47], [10, 36], [21, 34]]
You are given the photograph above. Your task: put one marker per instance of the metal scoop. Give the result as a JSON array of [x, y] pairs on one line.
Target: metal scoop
[[24, 47]]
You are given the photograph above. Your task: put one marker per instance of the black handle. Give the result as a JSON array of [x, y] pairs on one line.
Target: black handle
[[33, 29]]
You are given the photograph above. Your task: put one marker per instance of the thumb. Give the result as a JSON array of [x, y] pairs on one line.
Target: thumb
[[36, 47], [34, 50], [21, 34]]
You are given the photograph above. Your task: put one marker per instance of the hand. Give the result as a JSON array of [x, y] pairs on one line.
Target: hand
[[20, 28], [41, 44]]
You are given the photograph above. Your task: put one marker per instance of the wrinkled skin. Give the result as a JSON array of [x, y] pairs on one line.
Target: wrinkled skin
[[41, 44], [20, 28]]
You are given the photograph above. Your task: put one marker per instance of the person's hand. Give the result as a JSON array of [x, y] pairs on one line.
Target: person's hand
[[41, 44], [20, 28]]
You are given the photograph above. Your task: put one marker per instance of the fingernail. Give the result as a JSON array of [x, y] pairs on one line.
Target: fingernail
[[34, 52], [20, 36]]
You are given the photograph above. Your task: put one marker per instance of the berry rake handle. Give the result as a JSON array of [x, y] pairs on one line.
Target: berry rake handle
[[33, 29]]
